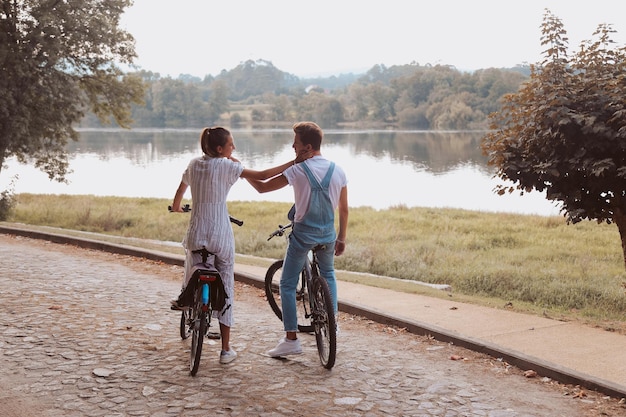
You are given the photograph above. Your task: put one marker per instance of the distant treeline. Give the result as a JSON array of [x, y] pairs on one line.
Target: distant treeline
[[255, 92]]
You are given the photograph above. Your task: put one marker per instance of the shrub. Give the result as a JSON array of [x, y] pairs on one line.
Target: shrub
[[7, 201]]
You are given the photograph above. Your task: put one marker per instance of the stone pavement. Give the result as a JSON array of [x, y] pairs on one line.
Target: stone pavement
[[88, 333], [565, 351]]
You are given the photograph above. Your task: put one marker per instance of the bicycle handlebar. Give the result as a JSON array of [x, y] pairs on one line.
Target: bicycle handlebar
[[236, 221], [187, 208], [280, 231]]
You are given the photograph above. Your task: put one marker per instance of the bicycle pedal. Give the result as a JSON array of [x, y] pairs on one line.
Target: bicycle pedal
[[213, 335]]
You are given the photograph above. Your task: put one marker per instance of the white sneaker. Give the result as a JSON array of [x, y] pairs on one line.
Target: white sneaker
[[286, 347], [227, 356]]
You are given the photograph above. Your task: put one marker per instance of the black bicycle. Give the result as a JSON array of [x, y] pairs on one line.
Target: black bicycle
[[315, 309], [204, 293]]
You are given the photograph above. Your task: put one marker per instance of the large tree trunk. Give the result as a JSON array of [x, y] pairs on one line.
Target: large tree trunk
[[2, 151], [2, 156], [620, 220]]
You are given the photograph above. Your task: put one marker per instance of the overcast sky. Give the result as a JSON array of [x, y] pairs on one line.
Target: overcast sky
[[324, 37]]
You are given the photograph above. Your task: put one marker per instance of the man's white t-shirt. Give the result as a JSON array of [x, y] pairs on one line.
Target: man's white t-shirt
[[298, 179]]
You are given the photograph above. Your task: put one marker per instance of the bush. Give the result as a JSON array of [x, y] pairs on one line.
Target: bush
[[236, 119], [7, 201]]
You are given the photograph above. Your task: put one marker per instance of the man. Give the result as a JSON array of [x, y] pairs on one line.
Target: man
[[320, 187]]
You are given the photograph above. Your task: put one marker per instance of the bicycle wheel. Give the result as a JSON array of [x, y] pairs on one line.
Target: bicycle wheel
[[185, 328], [272, 292], [324, 322], [197, 333]]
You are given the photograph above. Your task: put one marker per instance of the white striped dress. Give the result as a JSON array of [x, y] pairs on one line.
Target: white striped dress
[[210, 180]]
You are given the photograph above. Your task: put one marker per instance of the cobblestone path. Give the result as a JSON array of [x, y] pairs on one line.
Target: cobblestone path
[[86, 333]]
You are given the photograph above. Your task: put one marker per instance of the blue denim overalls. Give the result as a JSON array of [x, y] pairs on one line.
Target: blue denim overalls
[[317, 227]]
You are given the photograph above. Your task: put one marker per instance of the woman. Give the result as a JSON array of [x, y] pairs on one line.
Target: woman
[[210, 177]]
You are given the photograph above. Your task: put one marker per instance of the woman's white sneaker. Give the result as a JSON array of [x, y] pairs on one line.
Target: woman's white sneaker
[[227, 356]]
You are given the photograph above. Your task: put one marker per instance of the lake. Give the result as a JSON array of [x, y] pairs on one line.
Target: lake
[[385, 168]]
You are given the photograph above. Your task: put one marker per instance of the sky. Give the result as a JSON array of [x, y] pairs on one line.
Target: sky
[[331, 37]]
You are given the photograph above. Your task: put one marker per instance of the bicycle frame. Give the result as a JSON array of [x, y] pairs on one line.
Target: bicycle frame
[[311, 269]]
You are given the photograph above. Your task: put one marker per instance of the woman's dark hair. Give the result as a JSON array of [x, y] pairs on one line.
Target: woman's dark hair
[[211, 138], [310, 134]]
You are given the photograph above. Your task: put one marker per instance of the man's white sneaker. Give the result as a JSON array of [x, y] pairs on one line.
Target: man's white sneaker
[[286, 347]]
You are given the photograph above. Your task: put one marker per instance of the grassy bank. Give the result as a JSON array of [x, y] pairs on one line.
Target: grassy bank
[[538, 264]]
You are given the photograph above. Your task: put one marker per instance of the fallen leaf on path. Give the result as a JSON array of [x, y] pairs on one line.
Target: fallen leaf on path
[[457, 358], [55, 308], [530, 374]]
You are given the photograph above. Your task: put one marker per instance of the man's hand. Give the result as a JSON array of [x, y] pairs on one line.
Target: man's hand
[[340, 247]]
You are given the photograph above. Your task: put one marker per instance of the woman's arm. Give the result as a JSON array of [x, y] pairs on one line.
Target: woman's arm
[[273, 184], [179, 197], [251, 174]]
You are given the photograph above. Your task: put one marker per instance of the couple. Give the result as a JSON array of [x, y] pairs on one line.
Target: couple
[[319, 187]]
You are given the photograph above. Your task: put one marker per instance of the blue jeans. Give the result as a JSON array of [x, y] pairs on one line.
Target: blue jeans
[[301, 241]]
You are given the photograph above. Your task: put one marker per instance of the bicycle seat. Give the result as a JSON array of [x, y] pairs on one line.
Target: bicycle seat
[[204, 253]]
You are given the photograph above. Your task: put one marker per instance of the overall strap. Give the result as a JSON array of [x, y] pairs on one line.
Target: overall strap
[[329, 174], [314, 182]]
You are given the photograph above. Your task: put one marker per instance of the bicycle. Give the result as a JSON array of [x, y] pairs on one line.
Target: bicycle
[[203, 294], [315, 309]]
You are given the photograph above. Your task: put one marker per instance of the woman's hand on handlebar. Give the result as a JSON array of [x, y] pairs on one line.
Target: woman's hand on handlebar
[[179, 209]]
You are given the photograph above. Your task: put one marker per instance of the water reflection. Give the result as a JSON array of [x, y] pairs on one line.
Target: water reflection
[[385, 168], [436, 152]]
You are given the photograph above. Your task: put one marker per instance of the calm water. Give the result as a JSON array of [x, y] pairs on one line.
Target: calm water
[[384, 168]]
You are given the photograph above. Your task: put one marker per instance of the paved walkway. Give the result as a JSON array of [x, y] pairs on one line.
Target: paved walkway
[[565, 351], [80, 336], [568, 352]]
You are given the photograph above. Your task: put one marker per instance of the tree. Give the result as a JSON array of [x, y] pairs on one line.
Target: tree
[[564, 131], [58, 59], [176, 104], [218, 101]]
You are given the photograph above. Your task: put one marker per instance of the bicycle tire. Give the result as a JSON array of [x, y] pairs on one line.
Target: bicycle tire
[[272, 293], [185, 328], [197, 334], [324, 323]]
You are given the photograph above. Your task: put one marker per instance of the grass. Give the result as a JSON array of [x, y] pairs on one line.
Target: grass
[[538, 264]]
